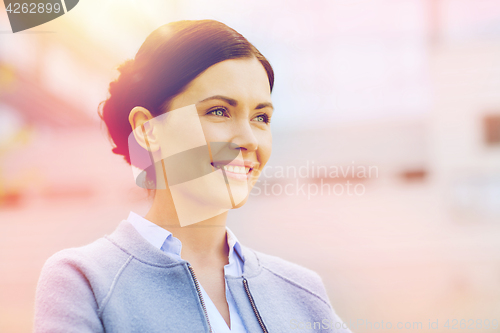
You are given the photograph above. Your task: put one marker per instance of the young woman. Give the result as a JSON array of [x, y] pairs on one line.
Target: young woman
[[191, 113]]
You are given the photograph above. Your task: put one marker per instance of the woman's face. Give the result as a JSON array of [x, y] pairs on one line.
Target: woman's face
[[233, 100]]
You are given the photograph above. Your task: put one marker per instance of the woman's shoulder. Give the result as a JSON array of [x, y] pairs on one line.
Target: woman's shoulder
[[95, 265], [291, 273], [284, 267], [73, 284], [100, 252]]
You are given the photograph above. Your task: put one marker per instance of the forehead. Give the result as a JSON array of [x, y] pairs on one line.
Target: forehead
[[242, 79]]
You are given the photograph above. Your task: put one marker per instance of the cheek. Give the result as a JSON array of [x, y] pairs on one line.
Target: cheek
[[208, 130], [214, 132], [265, 147]]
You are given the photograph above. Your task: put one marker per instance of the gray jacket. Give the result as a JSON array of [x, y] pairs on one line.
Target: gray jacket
[[121, 283]]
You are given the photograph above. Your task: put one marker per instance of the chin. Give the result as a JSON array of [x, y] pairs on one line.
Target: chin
[[241, 203]]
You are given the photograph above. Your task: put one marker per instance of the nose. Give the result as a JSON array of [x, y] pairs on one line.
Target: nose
[[244, 137]]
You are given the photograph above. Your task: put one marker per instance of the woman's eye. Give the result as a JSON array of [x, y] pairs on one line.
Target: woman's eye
[[218, 112], [262, 118]]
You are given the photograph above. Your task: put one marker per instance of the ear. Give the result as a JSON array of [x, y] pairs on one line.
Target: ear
[[144, 130]]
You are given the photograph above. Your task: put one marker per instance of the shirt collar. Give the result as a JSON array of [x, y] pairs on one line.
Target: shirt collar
[[234, 246], [164, 240], [153, 233]]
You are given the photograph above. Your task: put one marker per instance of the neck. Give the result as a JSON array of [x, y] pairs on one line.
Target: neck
[[202, 241]]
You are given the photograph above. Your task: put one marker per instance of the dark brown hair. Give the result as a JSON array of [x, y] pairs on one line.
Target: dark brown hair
[[168, 60]]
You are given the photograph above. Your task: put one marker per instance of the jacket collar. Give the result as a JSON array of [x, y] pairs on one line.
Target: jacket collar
[[126, 237]]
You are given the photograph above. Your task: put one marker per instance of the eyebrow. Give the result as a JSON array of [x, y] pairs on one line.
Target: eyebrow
[[233, 102]]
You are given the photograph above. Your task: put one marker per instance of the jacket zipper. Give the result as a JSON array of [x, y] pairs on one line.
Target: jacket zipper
[[200, 296], [257, 314]]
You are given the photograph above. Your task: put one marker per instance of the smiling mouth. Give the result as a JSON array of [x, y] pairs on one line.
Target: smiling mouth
[[236, 169]]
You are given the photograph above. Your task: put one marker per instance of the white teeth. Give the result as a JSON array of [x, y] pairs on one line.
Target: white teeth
[[235, 169]]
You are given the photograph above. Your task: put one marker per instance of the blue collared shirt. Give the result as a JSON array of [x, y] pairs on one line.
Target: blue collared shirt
[[165, 241]]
